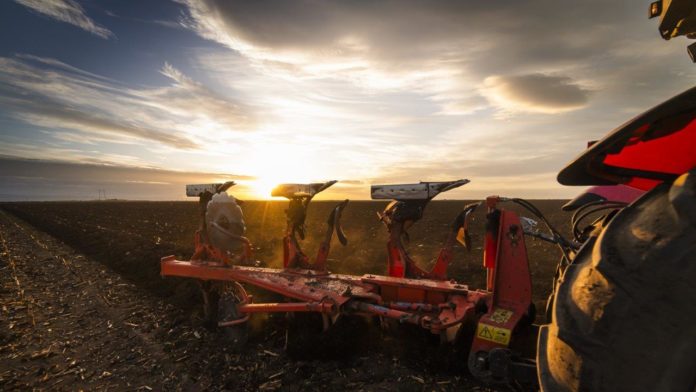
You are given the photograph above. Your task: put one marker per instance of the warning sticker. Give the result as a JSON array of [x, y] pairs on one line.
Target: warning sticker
[[493, 334], [501, 316]]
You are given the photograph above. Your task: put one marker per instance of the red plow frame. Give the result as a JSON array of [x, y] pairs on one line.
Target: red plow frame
[[410, 295]]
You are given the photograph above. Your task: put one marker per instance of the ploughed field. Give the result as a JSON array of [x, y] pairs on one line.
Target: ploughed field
[[109, 275]]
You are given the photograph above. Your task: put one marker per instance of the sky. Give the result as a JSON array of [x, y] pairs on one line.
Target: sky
[[141, 97]]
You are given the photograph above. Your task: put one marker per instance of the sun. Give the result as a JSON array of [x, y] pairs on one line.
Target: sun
[[262, 187], [273, 164]]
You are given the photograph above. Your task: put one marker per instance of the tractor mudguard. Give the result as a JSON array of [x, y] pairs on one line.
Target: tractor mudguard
[[623, 314]]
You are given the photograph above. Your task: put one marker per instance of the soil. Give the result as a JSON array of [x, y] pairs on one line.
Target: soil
[[84, 306]]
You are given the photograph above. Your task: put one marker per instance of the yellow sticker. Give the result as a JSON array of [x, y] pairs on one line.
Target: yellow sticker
[[493, 334], [501, 316]]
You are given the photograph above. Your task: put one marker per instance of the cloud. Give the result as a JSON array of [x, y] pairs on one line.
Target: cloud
[[308, 29], [347, 42], [32, 179], [443, 50], [54, 95], [31, 151], [535, 93], [67, 11], [411, 33], [188, 97]]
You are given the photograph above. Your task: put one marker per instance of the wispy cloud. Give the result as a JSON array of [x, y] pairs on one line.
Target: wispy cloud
[[18, 150], [36, 179], [68, 11], [445, 50], [54, 95]]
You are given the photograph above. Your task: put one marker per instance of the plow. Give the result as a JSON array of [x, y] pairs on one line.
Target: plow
[[636, 222], [488, 319]]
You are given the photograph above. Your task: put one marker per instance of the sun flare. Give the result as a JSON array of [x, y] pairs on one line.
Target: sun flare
[[274, 164], [261, 188]]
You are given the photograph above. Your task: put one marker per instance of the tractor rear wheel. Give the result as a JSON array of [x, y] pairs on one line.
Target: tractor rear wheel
[[623, 312]]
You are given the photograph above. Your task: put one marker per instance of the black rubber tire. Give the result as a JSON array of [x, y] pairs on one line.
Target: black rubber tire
[[623, 313]]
